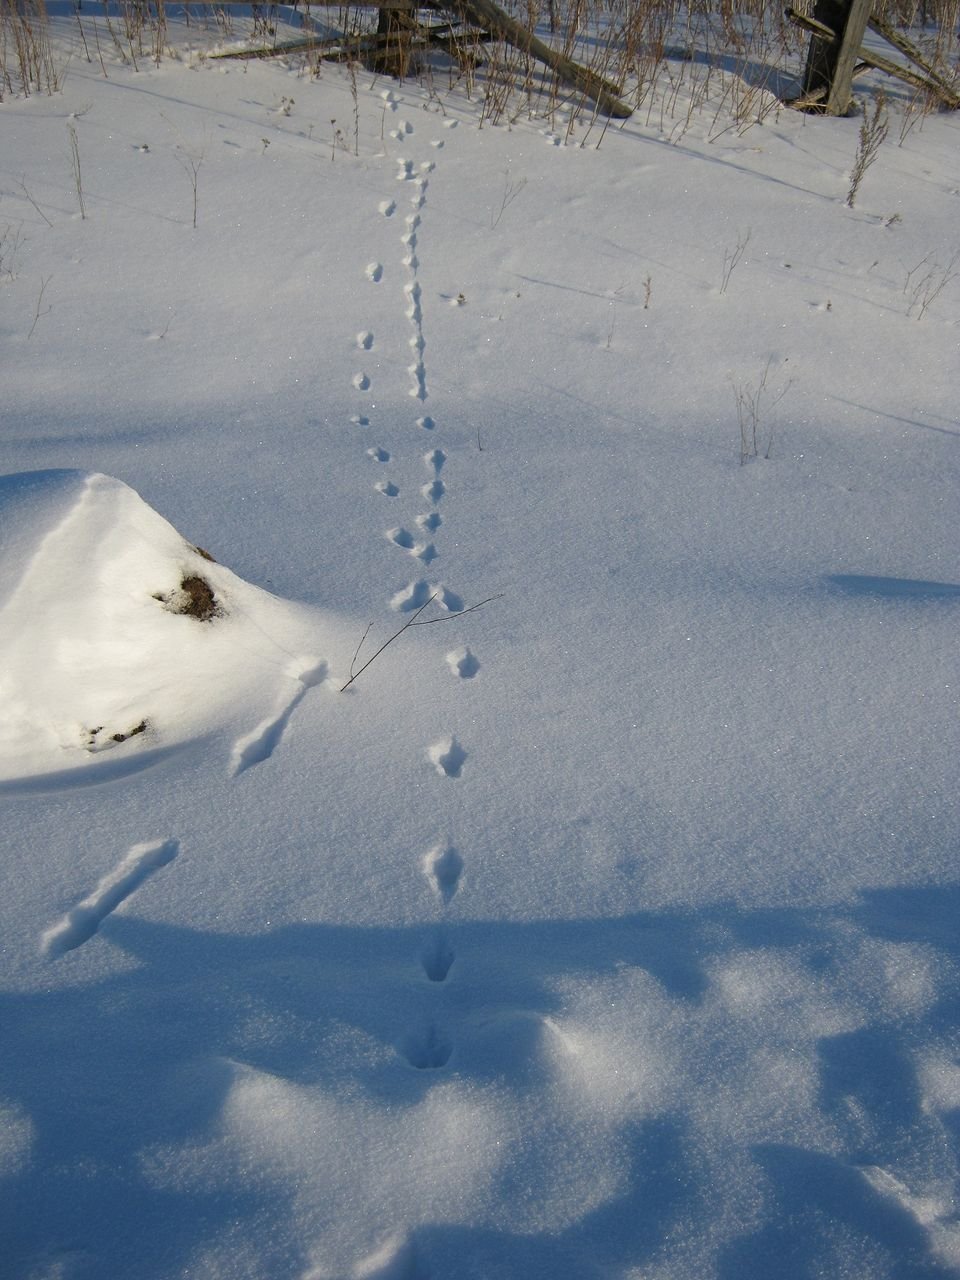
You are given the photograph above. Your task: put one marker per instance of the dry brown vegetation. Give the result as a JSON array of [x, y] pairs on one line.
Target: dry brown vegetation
[[738, 60]]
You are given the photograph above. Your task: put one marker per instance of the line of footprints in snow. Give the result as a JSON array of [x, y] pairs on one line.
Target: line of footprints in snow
[[442, 865], [448, 756], [429, 1048]]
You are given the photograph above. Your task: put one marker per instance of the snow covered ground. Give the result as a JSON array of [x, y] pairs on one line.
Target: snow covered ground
[[610, 929]]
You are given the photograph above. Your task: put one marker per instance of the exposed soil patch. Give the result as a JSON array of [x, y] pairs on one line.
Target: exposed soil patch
[[97, 743], [194, 598]]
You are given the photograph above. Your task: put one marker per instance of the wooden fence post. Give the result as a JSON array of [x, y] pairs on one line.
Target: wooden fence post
[[830, 62]]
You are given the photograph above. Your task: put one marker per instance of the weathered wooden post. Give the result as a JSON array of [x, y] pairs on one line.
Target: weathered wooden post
[[832, 55], [393, 54]]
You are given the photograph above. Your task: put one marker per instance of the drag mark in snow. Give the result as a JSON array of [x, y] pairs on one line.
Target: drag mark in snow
[[260, 744], [447, 757], [79, 925]]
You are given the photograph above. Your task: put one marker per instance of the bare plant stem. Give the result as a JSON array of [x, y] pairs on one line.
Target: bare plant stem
[[413, 622], [731, 258], [510, 192], [37, 312], [77, 175], [750, 410], [190, 164], [23, 187], [929, 286]]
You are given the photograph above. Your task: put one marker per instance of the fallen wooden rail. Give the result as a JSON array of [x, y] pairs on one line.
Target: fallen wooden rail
[[483, 14]]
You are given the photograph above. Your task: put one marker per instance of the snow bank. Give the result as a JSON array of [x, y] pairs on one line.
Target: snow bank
[[120, 638]]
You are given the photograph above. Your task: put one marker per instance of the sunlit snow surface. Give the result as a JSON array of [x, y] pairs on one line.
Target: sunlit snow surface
[[608, 930], [103, 668]]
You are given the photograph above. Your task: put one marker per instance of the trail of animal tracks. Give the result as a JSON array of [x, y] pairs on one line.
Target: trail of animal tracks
[[461, 816]]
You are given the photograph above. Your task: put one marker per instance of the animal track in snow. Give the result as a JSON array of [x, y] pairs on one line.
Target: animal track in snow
[[260, 744], [426, 422], [448, 599], [401, 538], [434, 460], [388, 208], [389, 99], [378, 455], [365, 340], [437, 959], [431, 521], [463, 663], [360, 420], [436, 142], [413, 596], [374, 272], [447, 757], [427, 1050], [419, 374], [417, 593], [443, 867], [81, 923], [361, 381], [434, 491], [414, 312], [387, 488], [405, 172]]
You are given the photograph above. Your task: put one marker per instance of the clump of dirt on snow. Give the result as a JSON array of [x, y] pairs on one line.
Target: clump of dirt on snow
[[194, 598]]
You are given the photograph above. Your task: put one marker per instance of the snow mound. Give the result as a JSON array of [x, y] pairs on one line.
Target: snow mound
[[120, 638]]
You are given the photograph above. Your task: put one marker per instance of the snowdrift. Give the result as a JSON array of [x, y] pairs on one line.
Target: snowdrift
[[121, 638]]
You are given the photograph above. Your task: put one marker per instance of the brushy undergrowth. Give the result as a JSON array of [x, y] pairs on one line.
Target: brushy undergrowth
[[670, 60]]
